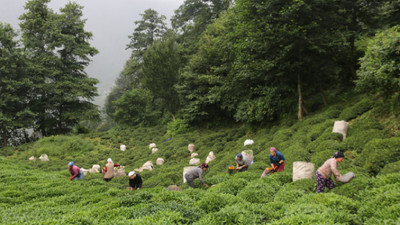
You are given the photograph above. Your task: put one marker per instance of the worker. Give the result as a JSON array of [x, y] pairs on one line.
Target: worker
[[76, 172], [196, 173], [108, 170], [324, 173], [241, 165], [277, 160], [135, 180]]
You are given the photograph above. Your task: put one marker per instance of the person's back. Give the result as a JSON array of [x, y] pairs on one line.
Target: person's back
[[195, 173], [110, 171]]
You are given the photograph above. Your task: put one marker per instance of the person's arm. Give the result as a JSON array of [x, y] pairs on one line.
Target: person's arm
[[282, 158], [270, 160], [334, 170], [116, 165]]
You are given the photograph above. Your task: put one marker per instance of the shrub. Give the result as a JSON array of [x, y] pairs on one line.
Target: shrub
[[390, 168], [356, 110], [176, 127], [378, 153]]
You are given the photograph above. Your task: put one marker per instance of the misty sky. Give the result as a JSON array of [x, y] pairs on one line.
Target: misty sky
[[111, 22]]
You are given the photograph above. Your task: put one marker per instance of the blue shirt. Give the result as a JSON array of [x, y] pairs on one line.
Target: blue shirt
[[278, 157]]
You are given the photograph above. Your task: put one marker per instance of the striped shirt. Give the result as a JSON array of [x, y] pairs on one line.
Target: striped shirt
[[329, 167]]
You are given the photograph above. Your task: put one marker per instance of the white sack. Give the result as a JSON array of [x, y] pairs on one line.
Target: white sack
[[122, 147], [210, 157], [44, 158], [148, 166], [173, 188], [96, 167], [33, 158], [194, 161], [160, 161], [85, 171], [303, 170], [119, 172], [185, 170], [193, 155], [152, 145], [191, 148], [341, 127], [248, 156], [248, 142], [347, 177], [154, 150]]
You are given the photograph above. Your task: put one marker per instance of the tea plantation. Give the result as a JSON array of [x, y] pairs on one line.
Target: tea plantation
[[42, 194]]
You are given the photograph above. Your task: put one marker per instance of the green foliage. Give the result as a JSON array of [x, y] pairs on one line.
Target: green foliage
[[378, 153], [177, 126], [358, 109], [379, 71]]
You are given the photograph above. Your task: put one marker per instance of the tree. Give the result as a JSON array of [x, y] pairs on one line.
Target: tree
[[59, 49], [380, 67], [73, 89], [14, 85], [161, 64], [38, 31], [136, 107], [193, 17], [149, 29]]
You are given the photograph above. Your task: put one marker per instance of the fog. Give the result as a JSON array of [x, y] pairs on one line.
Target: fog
[[111, 22]]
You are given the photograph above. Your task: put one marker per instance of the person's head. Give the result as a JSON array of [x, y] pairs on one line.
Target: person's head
[[239, 156], [132, 174], [272, 150], [70, 164], [204, 166], [339, 156], [109, 160]]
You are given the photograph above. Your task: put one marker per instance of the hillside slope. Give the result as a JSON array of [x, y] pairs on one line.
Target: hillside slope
[[42, 194]]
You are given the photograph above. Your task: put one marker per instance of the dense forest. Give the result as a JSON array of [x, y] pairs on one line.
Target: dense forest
[[220, 62]]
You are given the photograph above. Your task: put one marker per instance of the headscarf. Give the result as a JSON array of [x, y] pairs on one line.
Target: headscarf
[[338, 155], [239, 156], [109, 160], [131, 173], [71, 163], [272, 149], [203, 165]]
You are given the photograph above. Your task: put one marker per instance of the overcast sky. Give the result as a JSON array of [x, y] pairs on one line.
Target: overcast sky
[[111, 22]]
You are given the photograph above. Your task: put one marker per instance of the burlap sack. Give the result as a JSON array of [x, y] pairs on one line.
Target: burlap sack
[[160, 161], [347, 177], [303, 170], [210, 157], [341, 127], [194, 161], [191, 148]]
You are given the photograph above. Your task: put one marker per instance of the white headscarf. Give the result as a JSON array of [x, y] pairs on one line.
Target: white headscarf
[[131, 173], [109, 160]]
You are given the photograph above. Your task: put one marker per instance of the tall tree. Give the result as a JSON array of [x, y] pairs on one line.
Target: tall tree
[[150, 28], [193, 17], [161, 71], [73, 89], [14, 85], [39, 28], [59, 47]]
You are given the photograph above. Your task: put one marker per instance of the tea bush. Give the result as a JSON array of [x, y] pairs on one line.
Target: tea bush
[[41, 193]]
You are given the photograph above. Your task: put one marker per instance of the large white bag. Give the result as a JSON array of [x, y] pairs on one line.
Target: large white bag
[[347, 177], [341, 127], [303, 170], [210, 157]]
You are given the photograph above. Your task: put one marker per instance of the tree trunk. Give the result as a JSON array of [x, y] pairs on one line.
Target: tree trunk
[[4, 137], [300, 112], [324, 99]]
